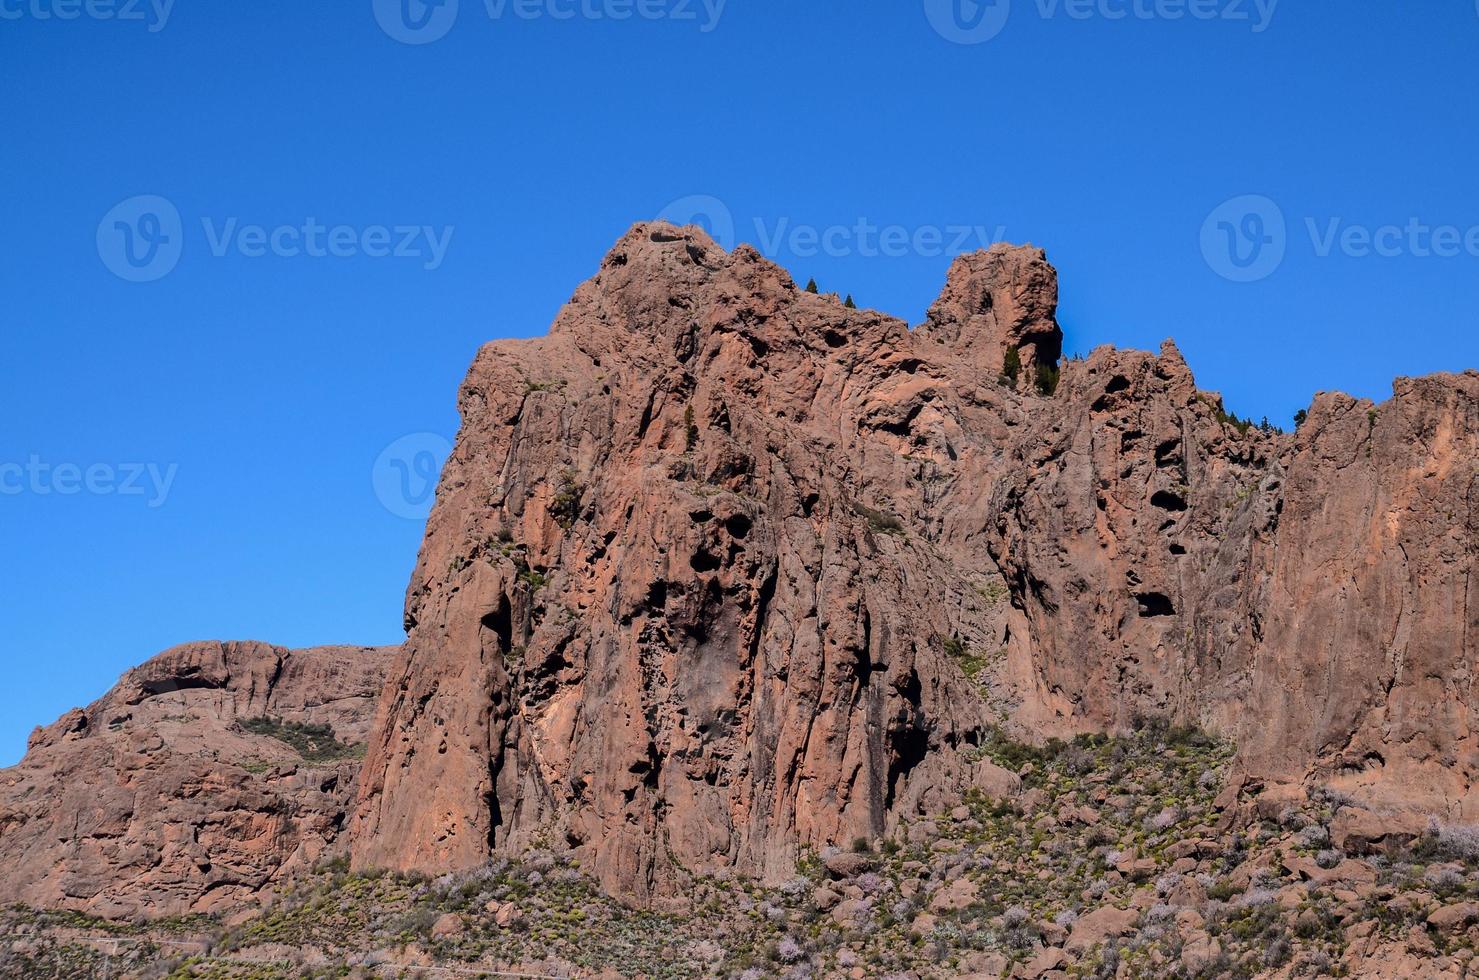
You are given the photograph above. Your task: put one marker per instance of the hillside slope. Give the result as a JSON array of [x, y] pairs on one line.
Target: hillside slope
[[202, 780]]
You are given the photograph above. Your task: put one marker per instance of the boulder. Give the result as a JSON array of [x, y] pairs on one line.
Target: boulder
[[1450, 918], [846, 864], [447, 926], [1093, 928]]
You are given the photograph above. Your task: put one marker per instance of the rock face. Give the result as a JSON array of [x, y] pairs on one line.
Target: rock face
[[1374, 611], [156, 800], [996, 299], [721, 569]]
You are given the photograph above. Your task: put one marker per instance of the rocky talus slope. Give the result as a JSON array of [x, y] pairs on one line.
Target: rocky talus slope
[[1122, 857], [722, 571], [199, 783]]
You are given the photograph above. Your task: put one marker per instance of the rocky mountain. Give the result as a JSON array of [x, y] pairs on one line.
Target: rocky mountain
[[722, 571], [728, 582], [198, 784]]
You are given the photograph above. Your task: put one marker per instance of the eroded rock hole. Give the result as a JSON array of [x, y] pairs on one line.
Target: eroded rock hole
[[1168, 500], [500, 623], [1155, 604], [657, 596], [1168, 453], [704, 561]]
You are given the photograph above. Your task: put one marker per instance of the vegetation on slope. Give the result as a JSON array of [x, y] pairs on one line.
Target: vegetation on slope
[[1116, 859]]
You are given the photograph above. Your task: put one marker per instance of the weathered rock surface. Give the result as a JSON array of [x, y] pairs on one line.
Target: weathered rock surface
[[154, 801], [1099, 925], [721, 570]]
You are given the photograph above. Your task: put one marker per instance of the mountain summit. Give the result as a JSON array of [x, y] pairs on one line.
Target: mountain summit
[[722, 571], [726, 576]]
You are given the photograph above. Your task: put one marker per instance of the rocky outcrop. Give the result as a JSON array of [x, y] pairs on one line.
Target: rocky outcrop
[[721, 570], [996, 300], [1373, 614], [160, 800], [672, 601]]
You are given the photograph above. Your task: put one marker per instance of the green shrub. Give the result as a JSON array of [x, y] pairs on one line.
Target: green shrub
[[1047, 379], [879, 521], [1222, 890], [1011, 366], [690, 428], [565, 507], [1224, 416], [315, 743]]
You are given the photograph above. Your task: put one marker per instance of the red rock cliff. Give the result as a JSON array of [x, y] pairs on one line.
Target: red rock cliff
[[156, 801], [720, 570]]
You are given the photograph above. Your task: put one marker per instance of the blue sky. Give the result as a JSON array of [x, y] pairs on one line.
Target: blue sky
[[333, 220]]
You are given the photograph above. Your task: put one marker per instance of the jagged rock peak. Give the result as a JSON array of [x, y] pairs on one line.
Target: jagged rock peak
[[993, 299], [998, 298], [722, 571]]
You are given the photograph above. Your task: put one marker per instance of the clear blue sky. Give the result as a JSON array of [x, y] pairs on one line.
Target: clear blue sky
[[266, 387]]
